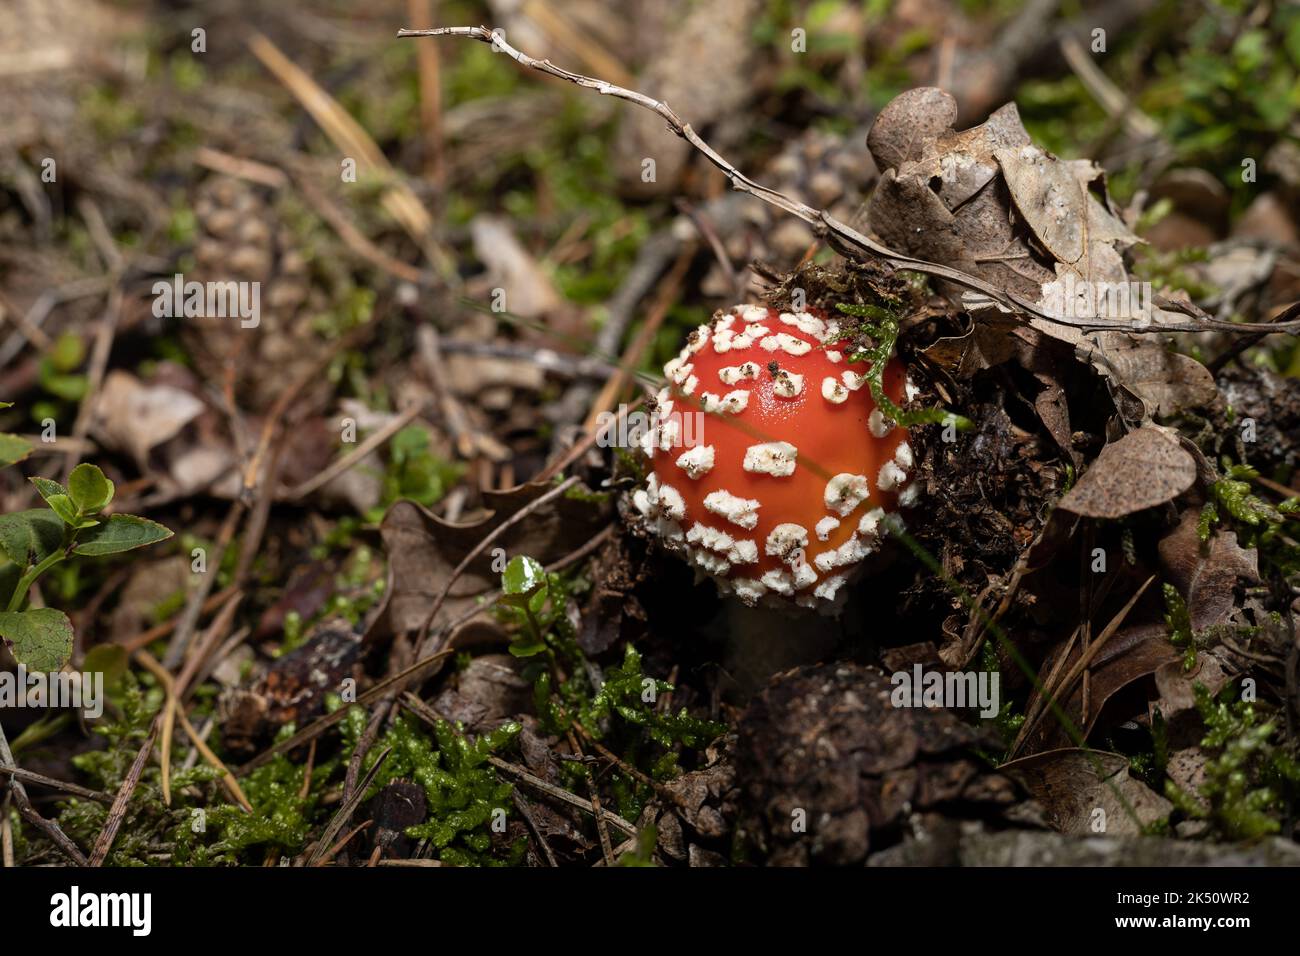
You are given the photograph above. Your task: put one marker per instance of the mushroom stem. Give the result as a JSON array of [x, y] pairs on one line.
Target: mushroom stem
[[762, 642]]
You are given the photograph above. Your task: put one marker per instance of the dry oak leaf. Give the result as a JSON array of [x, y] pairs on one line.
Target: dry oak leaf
[[1206, 574], [1073, 786], [1143, 469], [1133, 654], [134, 417], [423, 549], [1168, 382]]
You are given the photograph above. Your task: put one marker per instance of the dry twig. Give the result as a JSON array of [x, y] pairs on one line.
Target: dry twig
[[843, 238]]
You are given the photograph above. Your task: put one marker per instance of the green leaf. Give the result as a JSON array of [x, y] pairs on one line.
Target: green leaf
[[48, 488], [62, 506], [120, 533], [41, 640], [13, 449], [71, 388], [90, 490], [527, 647], [29, 537], [108, 659], [521, 579], [60, 501], [68, 353]]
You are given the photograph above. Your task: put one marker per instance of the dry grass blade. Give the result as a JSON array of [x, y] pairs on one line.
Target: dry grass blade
[[1051, 695], [173, 711], [346, 810], [354, 142], [350, 460], [421, 12]]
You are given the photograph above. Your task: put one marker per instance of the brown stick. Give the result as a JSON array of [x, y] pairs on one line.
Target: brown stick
[[31, 776], [117, 812], [847, 240], [421, 13], [28, 812]]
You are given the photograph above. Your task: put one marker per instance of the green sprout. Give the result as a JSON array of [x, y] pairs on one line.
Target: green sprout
[[35, 541]]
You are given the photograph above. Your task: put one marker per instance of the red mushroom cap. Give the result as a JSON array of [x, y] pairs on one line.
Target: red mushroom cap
[[772, 466]]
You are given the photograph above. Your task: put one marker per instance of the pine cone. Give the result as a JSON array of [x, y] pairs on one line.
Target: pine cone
[[242, 239], [829, 770]]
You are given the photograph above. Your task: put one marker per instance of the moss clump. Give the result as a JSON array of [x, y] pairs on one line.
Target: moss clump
[[464, 796], [616, 707], [200, 828], [1259, 524], [1179, 622], [1251, 781], [1007, 721], [281, 821]]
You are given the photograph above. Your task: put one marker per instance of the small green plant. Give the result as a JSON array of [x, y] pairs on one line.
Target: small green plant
[[13, 448], [643, 854], [881, 326], [415, 472], [463, 794], [1250, 781], [34, 541], [1007, 721], [630, 694], [1259, 524], [1179, 622], [617, 706]]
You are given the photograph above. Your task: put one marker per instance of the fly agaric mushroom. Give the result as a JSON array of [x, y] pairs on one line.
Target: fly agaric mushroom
[[773, 469]]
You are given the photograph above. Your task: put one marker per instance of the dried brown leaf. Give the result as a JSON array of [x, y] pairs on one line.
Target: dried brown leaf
[[134, 417], [423, 549], [905, 124], [1169, 382], [1206, 574], [1078, 790], [1143, 469]]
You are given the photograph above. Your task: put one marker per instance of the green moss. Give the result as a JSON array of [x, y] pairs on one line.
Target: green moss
[[1216, 102], [462, 792], [113, 118], [414, 472], [874, 338], [281, 820], [1168, 271], [1257, 523], [1251, 782], [1007, 721], [201, 827], [1179, 623], [1206, 522], [628, 693], [617, 707]]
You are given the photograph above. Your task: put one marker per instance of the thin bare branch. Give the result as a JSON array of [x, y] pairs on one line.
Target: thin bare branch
[[846, 240]]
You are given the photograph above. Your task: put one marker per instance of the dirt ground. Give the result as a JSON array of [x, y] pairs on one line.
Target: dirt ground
[[321, 347]]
